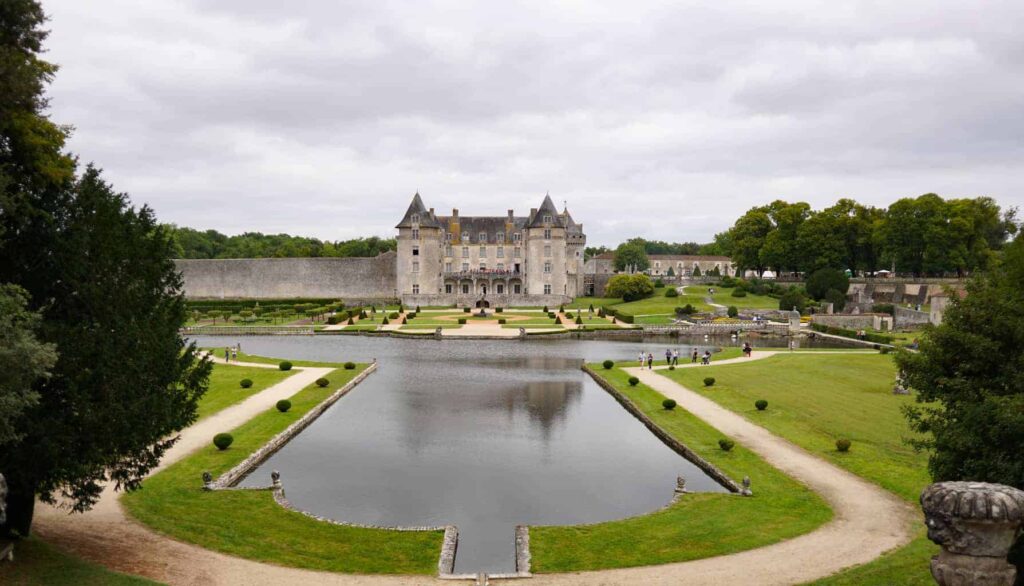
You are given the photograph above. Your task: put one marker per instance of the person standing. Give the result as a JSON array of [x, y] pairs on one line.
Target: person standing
[[234, 354], [227, 354], [668, 356], [707, 357], [643, 357], [650, 361], [694, 356], [675, 357]]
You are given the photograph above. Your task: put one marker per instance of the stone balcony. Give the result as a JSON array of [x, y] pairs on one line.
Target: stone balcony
[[482, 274]]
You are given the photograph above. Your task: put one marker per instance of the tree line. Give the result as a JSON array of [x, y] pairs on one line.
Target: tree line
[[192, 243]]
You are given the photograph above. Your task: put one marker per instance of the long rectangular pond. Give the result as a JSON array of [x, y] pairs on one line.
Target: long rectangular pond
[[484, 435]]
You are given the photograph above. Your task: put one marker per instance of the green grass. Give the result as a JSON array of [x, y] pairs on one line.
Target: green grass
[[255, 358], [37, 562], [814, 400], [659, 304], [724, 297], [250, 524], [533, 326], [224, 389], [416, 325], [698, 525]]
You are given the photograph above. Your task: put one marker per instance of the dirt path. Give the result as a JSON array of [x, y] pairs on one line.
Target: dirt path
[[868, 520]]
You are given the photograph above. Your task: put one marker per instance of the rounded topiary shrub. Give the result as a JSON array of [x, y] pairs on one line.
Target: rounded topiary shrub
[[551, 315], [322, 382], [465, 310], [726, 444], [709, 381], [462, 320], [669, 404], [671, 366], [245, 383], [633, 381], [672, 292], [350, 366], [501, 321], [223, 440], [761, 404], [843, 445], [608, 364], [569, 315], [739, 293], [732, 311], [284, 405], [393, 315], [285, 365], [498, 309]]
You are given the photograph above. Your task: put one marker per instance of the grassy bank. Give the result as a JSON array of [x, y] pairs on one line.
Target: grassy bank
[[698, 525], [250, 524], [225, 388], [36, 562], [814, 400]]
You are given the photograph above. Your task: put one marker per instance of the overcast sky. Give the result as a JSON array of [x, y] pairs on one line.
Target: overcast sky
[[664, 120]]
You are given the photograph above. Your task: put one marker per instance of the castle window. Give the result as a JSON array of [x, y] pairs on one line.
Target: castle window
[[483, 266], [415, 266], [501, 252], [547, 267], [500, 289], [465, 266], [500, 236], [483, 251], [415, 250], [501, 266], [547, 219], [483, 237], [465, 252], [448, 237], [448, 250], [465, 237], [547, 288], [547, 250], [547, 234], [465, 288], [415, 234], [415, 289], [415, 218], [517, 252], [448, 288], [517, 288], [447, 267], [515, 237]]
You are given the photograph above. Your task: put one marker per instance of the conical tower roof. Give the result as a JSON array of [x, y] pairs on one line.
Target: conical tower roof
[[547, 209], [427, 220]]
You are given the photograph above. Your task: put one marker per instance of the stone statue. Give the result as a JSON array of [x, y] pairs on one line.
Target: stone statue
[[976, 523], [3, 499], [207, 480], [680, 485], [746, 487], [438, 332], [900, 388], [275, 478]]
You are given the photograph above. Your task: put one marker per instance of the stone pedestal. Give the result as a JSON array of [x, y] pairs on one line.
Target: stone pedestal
[[976, 523], [794, 322]]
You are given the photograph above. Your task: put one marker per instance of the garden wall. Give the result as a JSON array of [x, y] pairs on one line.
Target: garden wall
[[290, 278]]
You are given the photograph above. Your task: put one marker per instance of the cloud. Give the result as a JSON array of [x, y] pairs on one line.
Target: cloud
[[667, 121]]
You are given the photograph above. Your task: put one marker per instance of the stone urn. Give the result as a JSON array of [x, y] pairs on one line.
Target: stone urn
[[976, 523]]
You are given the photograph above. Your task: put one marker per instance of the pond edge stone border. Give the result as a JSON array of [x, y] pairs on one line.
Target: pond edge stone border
[[677, 446]]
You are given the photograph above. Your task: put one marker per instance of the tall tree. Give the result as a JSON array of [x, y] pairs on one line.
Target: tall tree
[[748, 237], [23, 359], [780, 250], [631, 254], [100, 274]]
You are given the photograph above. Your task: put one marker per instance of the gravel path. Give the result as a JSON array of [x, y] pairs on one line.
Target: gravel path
[[868, 520]]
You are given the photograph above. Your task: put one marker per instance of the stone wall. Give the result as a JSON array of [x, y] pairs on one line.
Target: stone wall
[[552, 301], [910, 317], [289, 278], [869, 321]]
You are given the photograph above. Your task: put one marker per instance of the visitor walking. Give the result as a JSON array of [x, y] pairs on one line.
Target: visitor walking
[[227, 354], [668, 357], [234, 354], [792, 345], [650, 361], [675, 357], [643, 357], [694, 357], [747, 349], [707, 357]]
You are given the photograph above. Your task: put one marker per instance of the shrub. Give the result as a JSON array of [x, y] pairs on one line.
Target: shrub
[[884, 350], [351, 322], [608, 364], [546, 309], [245, 383], [403, 320], [761, 404], [672, 292], [732, 311], [579, 320], [417, 309], [600, 311], [822, 280], [569, 315], [393, 315], [738, 293], [332, 320], [687, 309], [591, 309], [658, 284], [465, 310], [884, 308], [671, 366], [709, 381], [350, 366], [499, 309], [322, 382], [223, 440], [561, 309], [629, 287], [362, 314], [726, 444], [633, 381], [727, 283], [285, 365], [501, 321], [669, 404], [551, 314], [696, 271], [462, 320], [793, 299], [843, 445], [836, 298], [384, 321], [283, 405]]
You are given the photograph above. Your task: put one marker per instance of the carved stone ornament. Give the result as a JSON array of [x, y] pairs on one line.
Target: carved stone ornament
[[976, 523], [207, 480]]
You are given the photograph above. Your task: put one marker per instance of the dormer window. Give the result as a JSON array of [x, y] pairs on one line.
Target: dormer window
[[547, 218], [500, 236], [483, 237], [515, 237], [415, 218], [465, 237]]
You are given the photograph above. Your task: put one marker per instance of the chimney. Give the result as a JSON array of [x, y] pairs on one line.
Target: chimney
[[455, 213], [510, 215], [431, 212]]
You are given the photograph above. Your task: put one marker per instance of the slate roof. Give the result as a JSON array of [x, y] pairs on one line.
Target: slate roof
[[416, 207], [547, 208]]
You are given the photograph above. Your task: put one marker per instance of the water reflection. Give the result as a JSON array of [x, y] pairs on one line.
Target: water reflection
[[483, 435]]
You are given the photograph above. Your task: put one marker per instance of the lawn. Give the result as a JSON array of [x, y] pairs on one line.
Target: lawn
[[250, 524], [724, 296], [814, 400], [661, 305], [224, 389], [698, 525], [37, 562]]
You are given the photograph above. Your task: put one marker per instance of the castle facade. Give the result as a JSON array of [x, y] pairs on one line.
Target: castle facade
[[507, 260]]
